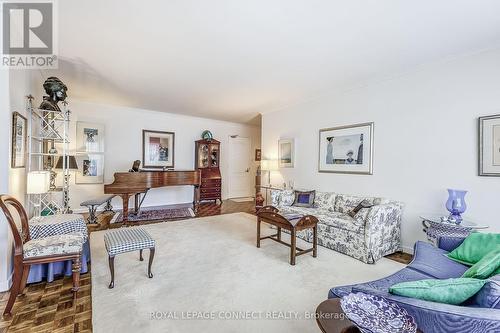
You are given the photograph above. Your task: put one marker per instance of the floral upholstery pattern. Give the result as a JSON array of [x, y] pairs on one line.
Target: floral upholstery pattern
[[372, 233], [54, 245]]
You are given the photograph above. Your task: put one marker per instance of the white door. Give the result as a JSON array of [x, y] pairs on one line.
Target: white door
[[241, 182]]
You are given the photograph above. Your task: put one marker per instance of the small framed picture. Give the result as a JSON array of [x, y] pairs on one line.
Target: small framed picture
[[286, 153], [346, 149], [489, 146], [258, 155], [90, 169], [158, 149], [89, 137], [19, 126]]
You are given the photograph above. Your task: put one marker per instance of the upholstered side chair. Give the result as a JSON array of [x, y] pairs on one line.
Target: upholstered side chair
[[28, 251]]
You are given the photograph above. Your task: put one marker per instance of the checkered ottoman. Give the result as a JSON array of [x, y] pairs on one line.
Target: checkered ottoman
[[128, 240]]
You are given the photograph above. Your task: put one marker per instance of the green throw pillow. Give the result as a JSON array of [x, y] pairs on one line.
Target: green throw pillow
[[485, 267], [475, 247], [449, 291]]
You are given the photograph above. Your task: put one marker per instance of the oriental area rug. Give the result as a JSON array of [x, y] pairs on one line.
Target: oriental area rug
[[155, 214], [209, 276]]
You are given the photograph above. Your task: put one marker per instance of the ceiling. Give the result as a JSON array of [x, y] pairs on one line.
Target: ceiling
[[231, 60]]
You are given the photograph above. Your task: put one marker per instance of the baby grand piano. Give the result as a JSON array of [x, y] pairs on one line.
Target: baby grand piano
[[127, 184]]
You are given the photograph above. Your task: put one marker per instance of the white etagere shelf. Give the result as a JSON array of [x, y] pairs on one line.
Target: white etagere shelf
[[50, 129]]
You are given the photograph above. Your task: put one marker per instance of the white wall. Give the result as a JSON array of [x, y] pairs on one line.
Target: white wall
[[123, 145], [425, 138], [5, 243]]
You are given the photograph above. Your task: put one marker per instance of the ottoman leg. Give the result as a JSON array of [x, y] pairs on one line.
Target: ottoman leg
[[151, 256], [112, 270], [140, 255]]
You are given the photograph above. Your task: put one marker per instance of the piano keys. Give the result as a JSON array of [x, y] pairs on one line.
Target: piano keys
[[127, 184]]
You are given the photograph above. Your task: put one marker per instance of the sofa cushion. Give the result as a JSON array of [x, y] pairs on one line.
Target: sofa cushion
[[345, 203], [485, 267], [276, 197], [448, 291], [381, 286], [341, 221], [475, 247], [325, 200], [287, 197], [432, 261]]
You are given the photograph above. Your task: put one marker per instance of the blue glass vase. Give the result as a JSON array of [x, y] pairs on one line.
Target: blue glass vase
[[456, 204]]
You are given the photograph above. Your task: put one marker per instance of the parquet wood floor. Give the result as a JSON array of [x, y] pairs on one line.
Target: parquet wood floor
[[48, 307]]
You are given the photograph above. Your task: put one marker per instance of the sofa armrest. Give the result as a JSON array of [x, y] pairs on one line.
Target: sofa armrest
[[438, 317], [383, 214], [449, 243]]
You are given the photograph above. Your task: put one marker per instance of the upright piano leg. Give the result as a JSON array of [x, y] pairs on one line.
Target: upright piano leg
[[125, 198]]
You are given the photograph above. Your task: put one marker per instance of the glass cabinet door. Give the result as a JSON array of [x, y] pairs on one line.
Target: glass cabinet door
[[203, 156], [214, 155]]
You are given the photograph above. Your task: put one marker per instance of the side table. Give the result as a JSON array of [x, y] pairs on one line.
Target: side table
[[434, 228]]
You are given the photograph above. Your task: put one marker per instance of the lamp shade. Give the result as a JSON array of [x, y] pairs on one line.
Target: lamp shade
[[38, 182], [70, 163], [269, 165]]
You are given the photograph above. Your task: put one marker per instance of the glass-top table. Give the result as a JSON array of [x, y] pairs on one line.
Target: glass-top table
[[436, 226]]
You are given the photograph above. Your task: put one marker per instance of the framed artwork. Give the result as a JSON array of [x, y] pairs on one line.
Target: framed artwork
[[18, 145], [286, 152], [89, 137], [258, 155], [489, 146], [158, 149], [90, 169], [346, 149]]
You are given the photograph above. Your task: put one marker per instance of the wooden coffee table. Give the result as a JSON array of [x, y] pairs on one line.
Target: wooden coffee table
[[269, 214], [331, 318]]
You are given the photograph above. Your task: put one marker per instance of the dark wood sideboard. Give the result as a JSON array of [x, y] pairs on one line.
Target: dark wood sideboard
[[207, 160]]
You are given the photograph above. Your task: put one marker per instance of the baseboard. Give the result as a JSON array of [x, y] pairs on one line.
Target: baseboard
[[408, 249], [5, 284]]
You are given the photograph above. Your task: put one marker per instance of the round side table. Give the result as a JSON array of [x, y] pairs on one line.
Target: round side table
[[331, 318], [435, 227]]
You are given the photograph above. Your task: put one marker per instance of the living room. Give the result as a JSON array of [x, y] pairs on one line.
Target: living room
[[362, 136]]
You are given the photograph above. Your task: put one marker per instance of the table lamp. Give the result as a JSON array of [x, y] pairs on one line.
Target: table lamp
[[38, 183], [269, 166], [71, 164]]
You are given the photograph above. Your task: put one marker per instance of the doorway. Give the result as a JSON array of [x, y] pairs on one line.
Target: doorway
[[240, 176]]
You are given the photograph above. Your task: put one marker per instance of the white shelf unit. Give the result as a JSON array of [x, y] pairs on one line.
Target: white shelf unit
[[48, 127]]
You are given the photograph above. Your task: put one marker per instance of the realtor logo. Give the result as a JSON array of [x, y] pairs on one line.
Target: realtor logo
[[28, 34]]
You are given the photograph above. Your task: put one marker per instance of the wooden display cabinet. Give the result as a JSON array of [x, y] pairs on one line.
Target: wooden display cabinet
[[207, 160]]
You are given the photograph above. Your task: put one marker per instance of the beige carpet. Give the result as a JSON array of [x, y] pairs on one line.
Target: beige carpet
[[208, 271]]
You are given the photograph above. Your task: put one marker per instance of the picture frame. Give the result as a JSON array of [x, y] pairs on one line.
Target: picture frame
[[90, 137], [489, 146], [90, 168], [158, 149], [19, 139], [286, 153], [258, 155], [346, 149]]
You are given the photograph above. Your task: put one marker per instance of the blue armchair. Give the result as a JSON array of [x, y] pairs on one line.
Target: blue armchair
[[429, 262]]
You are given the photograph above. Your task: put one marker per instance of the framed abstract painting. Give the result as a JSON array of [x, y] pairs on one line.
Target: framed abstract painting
[[158, 149], [90, 168], [346, 149], [489, 146]]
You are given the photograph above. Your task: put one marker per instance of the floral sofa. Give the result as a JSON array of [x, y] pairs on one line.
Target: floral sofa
[[372, 233]]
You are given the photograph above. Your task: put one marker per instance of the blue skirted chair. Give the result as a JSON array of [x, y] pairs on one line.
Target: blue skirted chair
[[28, 252]]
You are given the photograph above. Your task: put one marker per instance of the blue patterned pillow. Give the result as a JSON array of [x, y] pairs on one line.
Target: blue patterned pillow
[[304, 199]]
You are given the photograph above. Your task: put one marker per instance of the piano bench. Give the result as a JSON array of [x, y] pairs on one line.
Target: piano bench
[[93, 204], [127, 240]]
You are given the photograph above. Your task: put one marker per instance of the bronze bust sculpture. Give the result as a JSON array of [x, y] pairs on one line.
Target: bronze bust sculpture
[[56, 91]]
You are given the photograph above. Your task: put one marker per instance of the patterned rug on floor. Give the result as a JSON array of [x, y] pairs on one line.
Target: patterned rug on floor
[[155, 213]]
